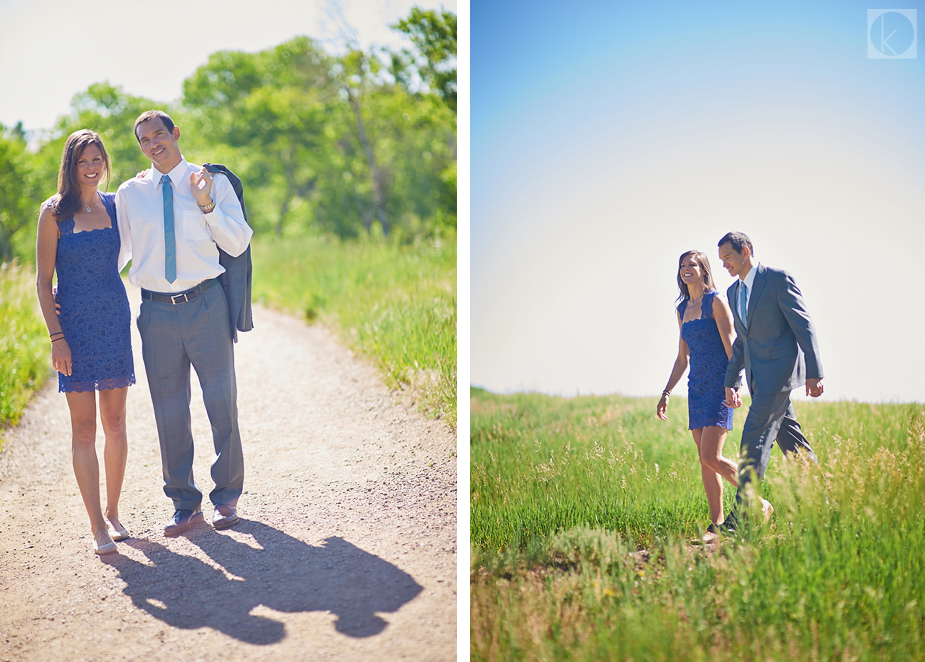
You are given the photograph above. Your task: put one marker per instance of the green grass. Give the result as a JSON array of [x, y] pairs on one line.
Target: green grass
[[395, 304], [564, 491], [24, 349]]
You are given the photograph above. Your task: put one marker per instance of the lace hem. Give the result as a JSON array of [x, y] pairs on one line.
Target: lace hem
[[98, 384]]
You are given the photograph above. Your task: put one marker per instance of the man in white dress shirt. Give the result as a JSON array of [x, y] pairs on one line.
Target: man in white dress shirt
[[172, 222]]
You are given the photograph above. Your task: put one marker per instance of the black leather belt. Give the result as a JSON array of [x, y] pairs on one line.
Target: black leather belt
[[179, 297]]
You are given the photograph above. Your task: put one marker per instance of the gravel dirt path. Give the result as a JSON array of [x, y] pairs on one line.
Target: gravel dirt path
[[346, 549]]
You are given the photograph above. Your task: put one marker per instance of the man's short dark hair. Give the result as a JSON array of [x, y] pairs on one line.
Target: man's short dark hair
[[151, 114], [738, 241]]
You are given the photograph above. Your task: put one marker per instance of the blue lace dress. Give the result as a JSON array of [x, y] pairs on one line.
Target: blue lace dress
[[95, 315], [706, 394]]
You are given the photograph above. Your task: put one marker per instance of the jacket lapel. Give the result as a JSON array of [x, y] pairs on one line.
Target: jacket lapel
[[757, 286]]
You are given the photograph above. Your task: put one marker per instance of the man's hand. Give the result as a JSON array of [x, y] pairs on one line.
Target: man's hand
[[814, 387], [201, 184], [733, 400]]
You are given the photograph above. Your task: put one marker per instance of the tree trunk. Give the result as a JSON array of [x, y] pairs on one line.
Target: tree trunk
[[378, 187]]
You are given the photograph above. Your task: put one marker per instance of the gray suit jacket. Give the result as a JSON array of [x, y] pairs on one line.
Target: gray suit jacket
[[777, 346]]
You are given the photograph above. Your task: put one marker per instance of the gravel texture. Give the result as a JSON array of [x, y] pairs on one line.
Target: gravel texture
[[346, 549]]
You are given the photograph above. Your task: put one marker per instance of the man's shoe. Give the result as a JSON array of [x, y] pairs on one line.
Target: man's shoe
[[224, 516], [729, 526], [182, 521]]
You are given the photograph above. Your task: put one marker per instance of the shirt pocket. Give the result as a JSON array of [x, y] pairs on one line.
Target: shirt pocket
[[194, 226]]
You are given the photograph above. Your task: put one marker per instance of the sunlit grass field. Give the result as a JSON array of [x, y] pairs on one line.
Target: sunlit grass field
[[25, 351], [564, 492], [394, 303]]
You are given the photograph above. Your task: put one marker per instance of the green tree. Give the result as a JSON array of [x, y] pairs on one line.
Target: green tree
[[434, 34], [272, 108], [19, 195]]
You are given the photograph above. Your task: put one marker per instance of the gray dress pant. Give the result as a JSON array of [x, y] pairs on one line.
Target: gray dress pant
[[173, 337], [770, 417]]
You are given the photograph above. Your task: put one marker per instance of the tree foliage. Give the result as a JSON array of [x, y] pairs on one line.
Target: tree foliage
[[434, 34], [345, 144]]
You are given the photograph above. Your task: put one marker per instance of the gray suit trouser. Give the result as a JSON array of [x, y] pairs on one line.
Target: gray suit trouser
[[173, 337], [770, 417]]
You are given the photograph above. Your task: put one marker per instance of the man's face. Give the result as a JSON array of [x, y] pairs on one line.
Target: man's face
[[159, 144], [737, 264]]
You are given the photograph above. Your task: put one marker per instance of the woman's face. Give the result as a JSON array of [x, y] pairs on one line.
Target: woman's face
[[690, 271], [90, 166]]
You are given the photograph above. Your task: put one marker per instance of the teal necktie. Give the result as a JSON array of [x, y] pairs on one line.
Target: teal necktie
[[743, 300], [170, 240]]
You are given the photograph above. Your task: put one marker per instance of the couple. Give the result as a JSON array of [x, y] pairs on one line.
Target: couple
[[775, 342], [171, 222]]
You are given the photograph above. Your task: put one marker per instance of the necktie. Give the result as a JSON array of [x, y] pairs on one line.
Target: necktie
[[743, 300], [170, 240]]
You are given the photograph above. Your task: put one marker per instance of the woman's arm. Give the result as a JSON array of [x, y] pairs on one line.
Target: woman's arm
[[46, 250], [723, 316], [680, 365]]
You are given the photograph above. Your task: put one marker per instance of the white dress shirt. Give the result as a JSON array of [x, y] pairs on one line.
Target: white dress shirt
[[749, 282], [140, 214]]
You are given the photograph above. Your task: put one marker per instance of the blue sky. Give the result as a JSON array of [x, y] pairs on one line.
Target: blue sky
[[608, 138]]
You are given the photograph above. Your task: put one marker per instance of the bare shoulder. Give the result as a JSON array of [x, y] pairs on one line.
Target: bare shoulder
[[47, 212]]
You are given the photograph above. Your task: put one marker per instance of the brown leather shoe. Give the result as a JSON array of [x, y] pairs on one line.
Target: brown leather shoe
[[224, 516], [182, 521]]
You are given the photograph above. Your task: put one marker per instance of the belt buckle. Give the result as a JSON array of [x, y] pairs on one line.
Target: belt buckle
[[174, 298]]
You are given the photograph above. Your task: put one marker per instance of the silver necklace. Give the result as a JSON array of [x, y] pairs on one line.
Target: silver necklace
[[88, 209]]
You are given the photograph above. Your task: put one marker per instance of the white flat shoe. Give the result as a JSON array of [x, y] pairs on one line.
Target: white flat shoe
[[108, 548], [118, 534], [766, 509]]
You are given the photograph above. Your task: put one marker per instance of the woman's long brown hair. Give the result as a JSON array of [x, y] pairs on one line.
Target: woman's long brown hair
[[67, 200]]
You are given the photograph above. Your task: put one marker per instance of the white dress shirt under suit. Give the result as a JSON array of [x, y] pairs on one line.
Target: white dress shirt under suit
[[140, 213]]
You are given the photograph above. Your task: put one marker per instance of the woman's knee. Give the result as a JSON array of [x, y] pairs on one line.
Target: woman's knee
[[113, 423], [83, 431], [711, 462]]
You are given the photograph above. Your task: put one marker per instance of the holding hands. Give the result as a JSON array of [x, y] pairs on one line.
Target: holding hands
[[732, 398]]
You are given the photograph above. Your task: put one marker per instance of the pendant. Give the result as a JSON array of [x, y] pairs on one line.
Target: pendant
[[88, 209]]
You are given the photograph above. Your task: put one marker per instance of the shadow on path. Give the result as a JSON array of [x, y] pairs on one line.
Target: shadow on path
[[286, 575]]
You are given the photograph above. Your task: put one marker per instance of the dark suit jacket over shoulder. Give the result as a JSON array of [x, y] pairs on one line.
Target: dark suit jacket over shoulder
[[778, 346], [238, 270]]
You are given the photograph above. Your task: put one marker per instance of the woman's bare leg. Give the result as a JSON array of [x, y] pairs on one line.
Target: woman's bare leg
[[86, 465], [112, 416], [712, 482], [711, 454]]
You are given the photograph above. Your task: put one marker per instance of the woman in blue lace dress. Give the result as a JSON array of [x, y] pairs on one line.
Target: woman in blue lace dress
[[91, 349], [706, 343]]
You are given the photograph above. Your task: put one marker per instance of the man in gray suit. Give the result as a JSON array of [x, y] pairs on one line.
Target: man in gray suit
[[777, 345]]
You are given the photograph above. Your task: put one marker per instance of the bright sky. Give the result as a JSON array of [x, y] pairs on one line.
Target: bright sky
[[609, 138], [52, 49]]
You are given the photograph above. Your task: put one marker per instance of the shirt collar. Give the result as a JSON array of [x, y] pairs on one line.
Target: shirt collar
[[176, 175], [750, 278]]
